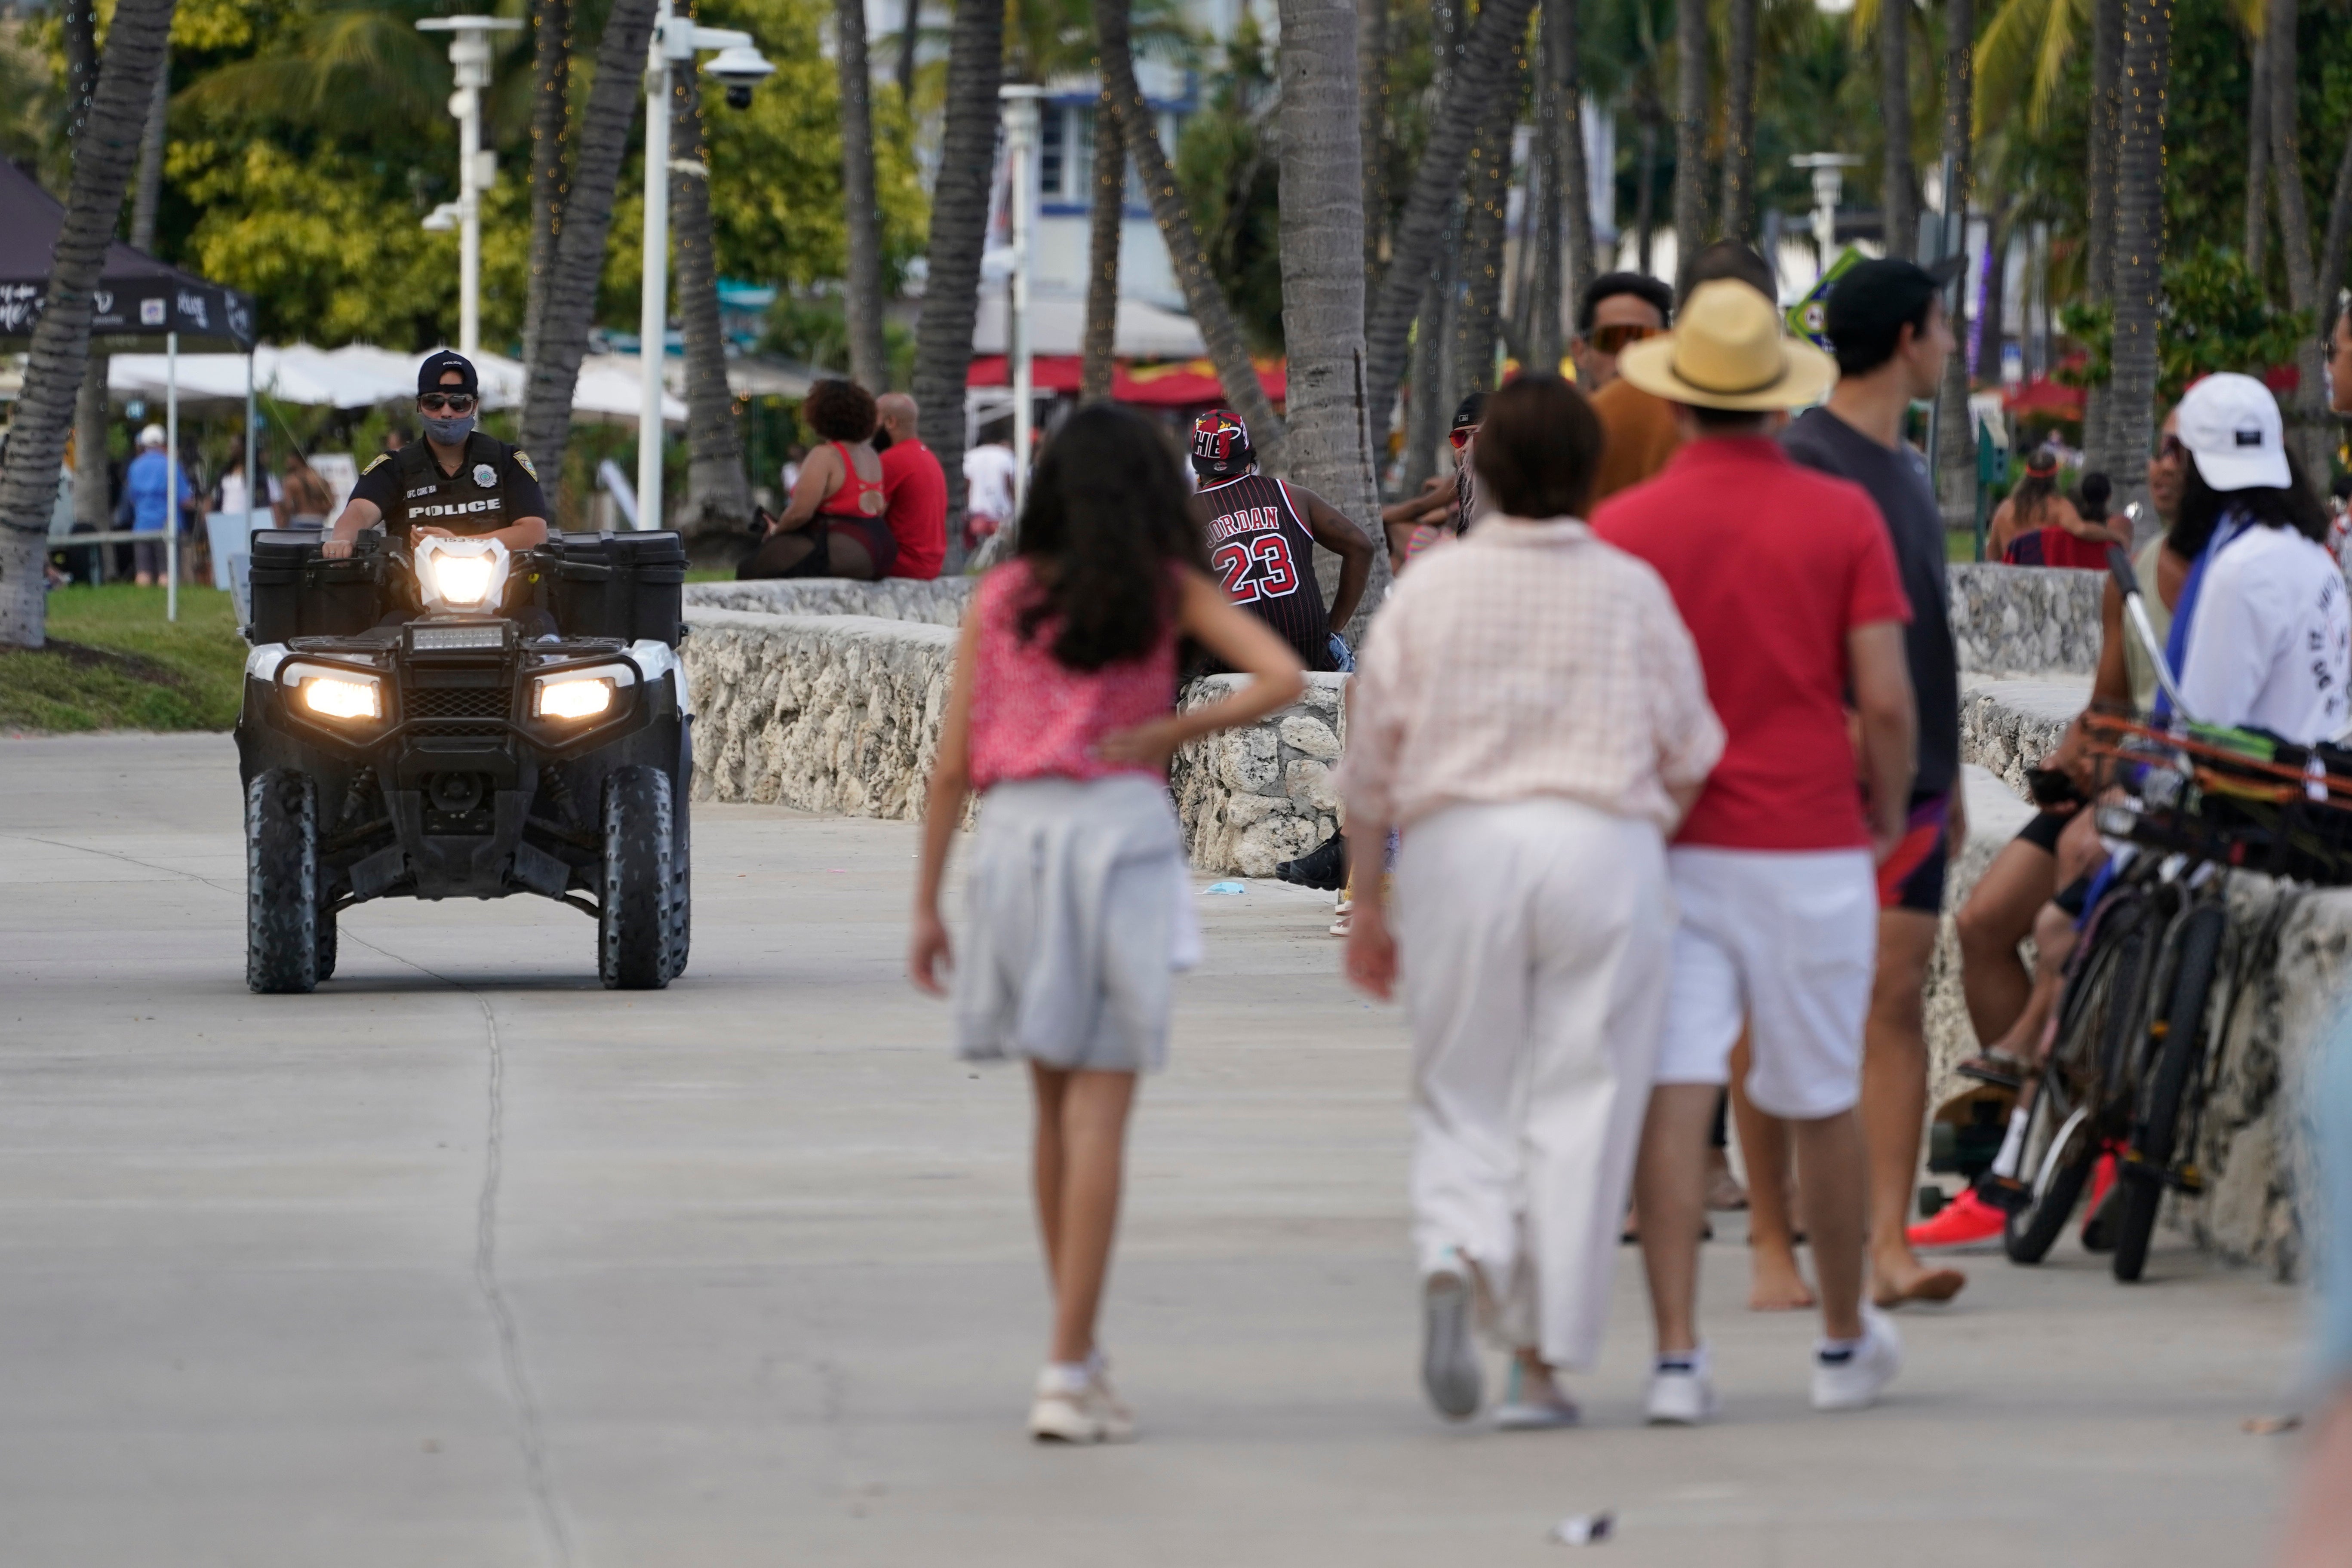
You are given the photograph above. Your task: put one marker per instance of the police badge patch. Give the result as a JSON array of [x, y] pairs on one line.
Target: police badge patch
[[378, 461], [486, 475], [522, 461]]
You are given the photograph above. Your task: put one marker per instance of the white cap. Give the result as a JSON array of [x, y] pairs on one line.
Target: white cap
[[2229, 423], [151, 437]]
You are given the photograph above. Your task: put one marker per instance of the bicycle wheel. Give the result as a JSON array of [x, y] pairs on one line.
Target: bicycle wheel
[[2146, 1161], [2059, 1151]]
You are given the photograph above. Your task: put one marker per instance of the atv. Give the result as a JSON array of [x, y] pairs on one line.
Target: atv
[[457, 721]]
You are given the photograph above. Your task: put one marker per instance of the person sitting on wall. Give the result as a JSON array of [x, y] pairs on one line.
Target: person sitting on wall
[[834, 525]]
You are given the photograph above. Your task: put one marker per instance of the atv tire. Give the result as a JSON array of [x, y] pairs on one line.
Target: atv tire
[[682, 857], [329, 944], [636, 925], [281, 883]]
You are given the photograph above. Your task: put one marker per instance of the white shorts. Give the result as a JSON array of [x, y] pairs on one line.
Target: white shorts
[[1786, 942]]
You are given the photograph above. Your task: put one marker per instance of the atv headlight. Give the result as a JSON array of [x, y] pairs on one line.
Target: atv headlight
[[581, 697], [343, 694], [461, 573]]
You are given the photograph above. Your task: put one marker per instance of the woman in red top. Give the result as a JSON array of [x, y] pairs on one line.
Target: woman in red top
[[833, 526], [1061, 713], [2037, 526]]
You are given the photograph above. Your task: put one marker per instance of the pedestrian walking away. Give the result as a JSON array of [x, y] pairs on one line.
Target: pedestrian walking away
[[1060, 715], [1529, 710], [1794, 602], [1262, 533]]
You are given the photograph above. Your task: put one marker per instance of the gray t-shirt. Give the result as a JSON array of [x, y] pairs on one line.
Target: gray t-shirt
[[1897, 481]]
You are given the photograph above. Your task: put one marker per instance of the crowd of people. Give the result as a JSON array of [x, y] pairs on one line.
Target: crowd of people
[[1650, 801]]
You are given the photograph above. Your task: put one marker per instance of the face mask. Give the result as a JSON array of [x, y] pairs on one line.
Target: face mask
[[449, 432]]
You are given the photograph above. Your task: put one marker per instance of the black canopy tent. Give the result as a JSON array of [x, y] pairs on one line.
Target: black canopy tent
[[141, 305]]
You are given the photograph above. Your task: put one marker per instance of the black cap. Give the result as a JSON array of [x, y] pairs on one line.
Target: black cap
[[441, 363], [1470, 411], [1221, 444], [1876, 296]]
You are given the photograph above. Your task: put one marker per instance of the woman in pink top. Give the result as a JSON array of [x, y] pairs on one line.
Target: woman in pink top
[[1062, 715]]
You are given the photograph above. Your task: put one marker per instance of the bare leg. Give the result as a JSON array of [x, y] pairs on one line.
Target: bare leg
[[1895, 1106], [1776, 1283], [1050, 1087], [2319, 1521], [2053, 944], [1093, 1151], [1998, 913], [1670, 1184], [1833, 1166]]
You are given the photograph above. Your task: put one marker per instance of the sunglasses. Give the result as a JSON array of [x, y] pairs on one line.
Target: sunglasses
[[1461, 437], [1612, 338], [455, 402]]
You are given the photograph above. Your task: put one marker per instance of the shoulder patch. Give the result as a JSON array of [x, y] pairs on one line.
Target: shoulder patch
[[378, 461], [522, 461]]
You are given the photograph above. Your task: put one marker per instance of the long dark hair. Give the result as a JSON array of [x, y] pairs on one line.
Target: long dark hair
[[2201, 506], [1108, 513]]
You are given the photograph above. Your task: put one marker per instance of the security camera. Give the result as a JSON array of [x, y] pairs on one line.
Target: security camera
[[739, 69]]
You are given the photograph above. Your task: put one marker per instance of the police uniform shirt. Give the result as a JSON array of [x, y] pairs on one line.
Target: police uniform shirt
[[494, 485]]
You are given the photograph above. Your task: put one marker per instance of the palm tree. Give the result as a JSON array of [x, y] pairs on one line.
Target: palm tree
[[718, 491], [1546, 176], [863, 286], [554, 368], [1488, 199], [77, 27], [1329, 425], [1575, 177], [2295, 231], [1228, 351], [1899, 198], [351, 67], [959, 230], [550, 124], [2332, 251], [911, 33], [2139, 232], [1956, 446], [103, 155], [1691, 221], [2258, 141], [2099, 251], [148, 195], [1105, 219], [1739, 124], [1485, 65], [1372, 86]]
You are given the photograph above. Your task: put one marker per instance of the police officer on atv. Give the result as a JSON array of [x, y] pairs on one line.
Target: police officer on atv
[[458, 482]]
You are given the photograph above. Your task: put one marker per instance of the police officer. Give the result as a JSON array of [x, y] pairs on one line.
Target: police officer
[[457, 482]]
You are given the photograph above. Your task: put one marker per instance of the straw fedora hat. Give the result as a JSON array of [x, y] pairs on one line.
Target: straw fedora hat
[[1727, 351]]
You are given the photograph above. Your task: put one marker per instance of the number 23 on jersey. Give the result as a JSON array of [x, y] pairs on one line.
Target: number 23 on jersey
[[1258, 568]]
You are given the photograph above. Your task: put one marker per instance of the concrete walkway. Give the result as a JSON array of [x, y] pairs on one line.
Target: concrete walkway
[[466, 1262]]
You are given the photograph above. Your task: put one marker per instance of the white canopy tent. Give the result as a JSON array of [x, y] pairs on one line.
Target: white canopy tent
[[360, 375]]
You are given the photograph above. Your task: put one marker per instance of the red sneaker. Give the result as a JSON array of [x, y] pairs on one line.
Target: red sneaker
[[2098, 1233], [1966, 1221]]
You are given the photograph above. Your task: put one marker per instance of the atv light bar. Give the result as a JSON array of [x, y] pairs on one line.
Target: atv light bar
[[452, 639]]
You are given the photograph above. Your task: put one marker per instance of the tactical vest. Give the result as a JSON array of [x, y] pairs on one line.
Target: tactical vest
[[472, 500]]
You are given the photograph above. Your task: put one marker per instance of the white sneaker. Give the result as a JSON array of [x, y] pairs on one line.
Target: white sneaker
[[1450, 1374], [1072, 1408], [1683, 1395], [1856, 1382], [1345, 909]]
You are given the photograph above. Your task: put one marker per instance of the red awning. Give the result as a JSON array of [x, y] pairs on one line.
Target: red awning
[[2043, 395], [1179, 384]]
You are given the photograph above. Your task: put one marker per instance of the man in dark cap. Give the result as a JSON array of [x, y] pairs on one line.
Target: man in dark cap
[[459, 482], [1262, 537]]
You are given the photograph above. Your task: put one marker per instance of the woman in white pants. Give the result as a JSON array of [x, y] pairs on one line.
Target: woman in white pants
[[1529, 709]]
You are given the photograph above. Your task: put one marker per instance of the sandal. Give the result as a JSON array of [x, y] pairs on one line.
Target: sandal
[[1996, 1067]]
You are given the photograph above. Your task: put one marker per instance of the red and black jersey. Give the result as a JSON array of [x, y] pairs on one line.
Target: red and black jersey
[[1263, 554]]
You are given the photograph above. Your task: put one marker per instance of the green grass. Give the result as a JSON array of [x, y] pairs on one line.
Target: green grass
[[114, 663]]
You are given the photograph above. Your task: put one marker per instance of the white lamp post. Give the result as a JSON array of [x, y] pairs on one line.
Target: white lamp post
[[1829, 186], [676, 41], [477, 170], [1019, 110]]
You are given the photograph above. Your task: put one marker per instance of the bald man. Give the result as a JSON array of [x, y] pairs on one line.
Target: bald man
[[914, 493]]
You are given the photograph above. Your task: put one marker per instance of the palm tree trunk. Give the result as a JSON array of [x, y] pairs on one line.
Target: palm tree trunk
[[959, 230], [1425, 417], [910, 32], [1372, 110], [2258, 150], [1576, 266], [555, 370], [2139, 235], [1099, 369], [1228, 351], [1899, 187], [2099, 251], [2310, 416], [1322, 196], [868, 366], [550, 127], [1645, 198], [150, 165], [1488, 196], [1739, 125], [1477, 82], [1542, 228], [2332, 252], [1956, 445], [718, 490], [121, 105], [93, 500], [1691, 223]]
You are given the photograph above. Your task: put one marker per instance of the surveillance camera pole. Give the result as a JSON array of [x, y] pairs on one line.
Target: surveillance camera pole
[[477, 170], [1829, 188], [675, 42], [1021, 125]]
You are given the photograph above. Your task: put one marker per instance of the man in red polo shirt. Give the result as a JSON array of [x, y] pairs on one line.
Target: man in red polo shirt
[[1788, 583], [914, 493]]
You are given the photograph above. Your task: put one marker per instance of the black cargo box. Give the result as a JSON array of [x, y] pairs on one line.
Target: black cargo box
[[296, 594], [626, 585]]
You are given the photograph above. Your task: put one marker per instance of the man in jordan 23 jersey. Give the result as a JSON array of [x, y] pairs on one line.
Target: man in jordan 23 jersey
[[1262, 539]]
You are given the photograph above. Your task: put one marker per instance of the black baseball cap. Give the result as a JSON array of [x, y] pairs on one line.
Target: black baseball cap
[[1878, 296], [440, 363], [1470, 411]]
